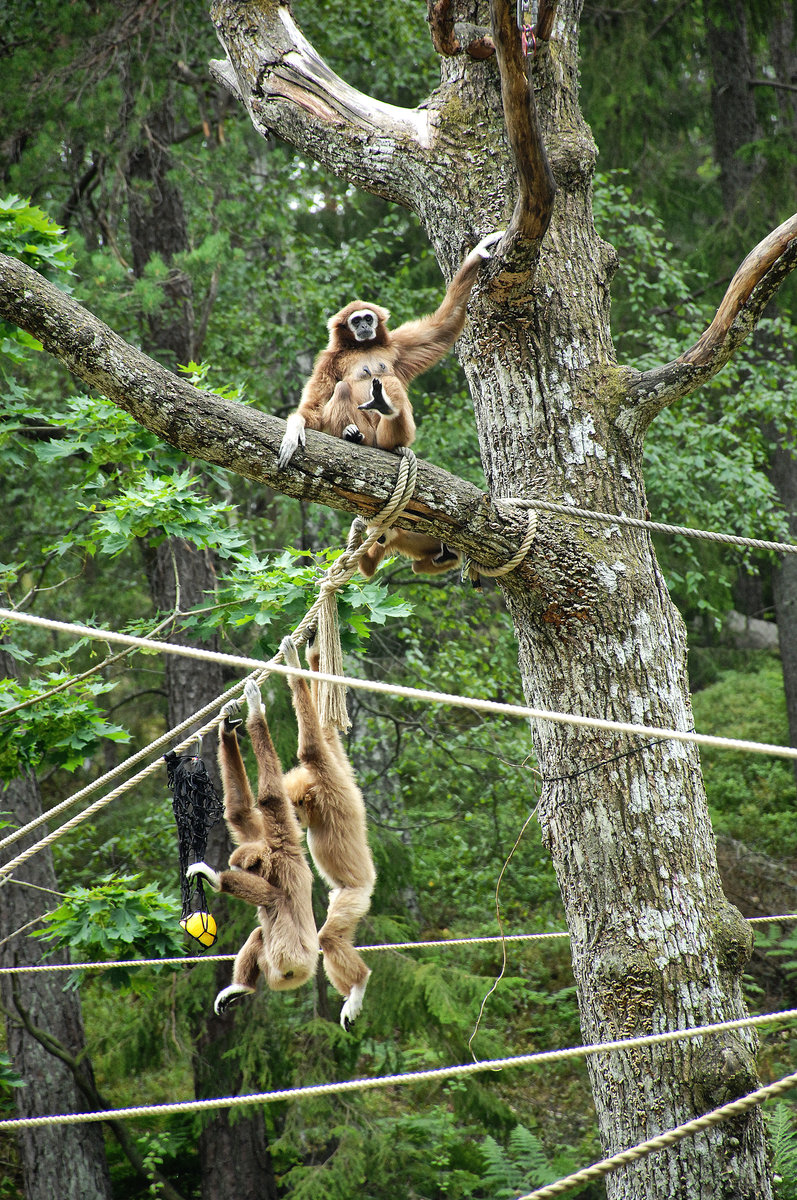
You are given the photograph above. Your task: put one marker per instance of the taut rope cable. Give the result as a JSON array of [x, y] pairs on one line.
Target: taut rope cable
[[200, 958], [258, 668], [353, 1085], [707, 535], [493, 939], [607, 1165], [393, 689]]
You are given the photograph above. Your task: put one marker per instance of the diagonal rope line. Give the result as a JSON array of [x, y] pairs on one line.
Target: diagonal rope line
[[606, 1166], [380, 1081]]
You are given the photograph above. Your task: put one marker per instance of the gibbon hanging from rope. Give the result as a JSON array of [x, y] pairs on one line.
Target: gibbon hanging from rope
[[331, 809], [268, 868]]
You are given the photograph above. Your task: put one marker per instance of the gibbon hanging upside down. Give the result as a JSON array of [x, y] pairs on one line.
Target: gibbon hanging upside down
[[331, 808], [357, 390], [268, 868]]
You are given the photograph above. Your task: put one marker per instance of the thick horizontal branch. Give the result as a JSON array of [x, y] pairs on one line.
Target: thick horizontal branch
[[229, 434], [288, 89], [755, 283]]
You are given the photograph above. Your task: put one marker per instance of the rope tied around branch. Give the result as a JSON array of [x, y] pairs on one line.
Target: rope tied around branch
[[473, 571], [322, 616]]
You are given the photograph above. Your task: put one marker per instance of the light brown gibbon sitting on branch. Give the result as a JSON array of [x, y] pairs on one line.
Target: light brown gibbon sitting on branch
[[268, 868], [357, 390], [331, 809]]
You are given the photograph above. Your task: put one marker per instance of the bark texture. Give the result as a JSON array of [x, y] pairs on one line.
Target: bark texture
[[50, 1085]]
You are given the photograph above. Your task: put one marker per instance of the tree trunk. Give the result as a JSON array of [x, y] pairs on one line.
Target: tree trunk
[[50, 1086], [158, 226], [655, 944]]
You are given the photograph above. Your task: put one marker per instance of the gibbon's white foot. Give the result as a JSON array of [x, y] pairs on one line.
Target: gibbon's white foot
[[293, 437], [352, 434], [289, 652], [208, 874], [353, 1006], [229, 995], [379, 401], [254, 700], [483, 248], [229, 714]]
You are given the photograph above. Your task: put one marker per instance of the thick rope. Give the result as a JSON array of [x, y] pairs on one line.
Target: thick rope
[[382, 1081], [473, 570], [607, 1165], [260, 669], [729, 539], [498, 708]]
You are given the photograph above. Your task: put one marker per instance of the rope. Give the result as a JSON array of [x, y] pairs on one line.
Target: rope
[[259, 669], [655, 526], [418, 694], [216, 958], [473, 571], [606, 1165], [381, 1081], [202, 958]]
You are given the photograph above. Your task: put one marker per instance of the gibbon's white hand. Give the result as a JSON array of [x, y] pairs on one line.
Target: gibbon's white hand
[[293, 437]]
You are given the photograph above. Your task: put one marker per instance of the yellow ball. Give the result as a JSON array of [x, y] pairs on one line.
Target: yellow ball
[[200, 925]]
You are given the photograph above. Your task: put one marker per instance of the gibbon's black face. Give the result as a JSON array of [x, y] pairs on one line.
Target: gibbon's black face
[[362, 324]]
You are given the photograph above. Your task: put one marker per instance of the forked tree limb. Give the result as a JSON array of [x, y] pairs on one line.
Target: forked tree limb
[[536, 184], [329, 471], [755, 283], [287, 87]]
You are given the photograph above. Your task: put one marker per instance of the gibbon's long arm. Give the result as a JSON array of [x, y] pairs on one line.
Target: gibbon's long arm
[[420, 344]]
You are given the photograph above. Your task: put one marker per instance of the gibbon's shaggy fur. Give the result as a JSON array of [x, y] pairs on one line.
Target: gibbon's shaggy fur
[[268, 868], [331, 809], [370, 408], [363, 355]]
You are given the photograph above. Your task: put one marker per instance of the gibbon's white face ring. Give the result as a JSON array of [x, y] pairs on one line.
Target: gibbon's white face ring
[[362, 324]]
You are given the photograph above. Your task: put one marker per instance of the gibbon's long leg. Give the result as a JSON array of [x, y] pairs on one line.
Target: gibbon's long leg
[[245, 972], [342, 963]]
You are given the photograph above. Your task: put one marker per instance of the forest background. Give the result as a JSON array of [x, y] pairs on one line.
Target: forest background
[[160, 209]]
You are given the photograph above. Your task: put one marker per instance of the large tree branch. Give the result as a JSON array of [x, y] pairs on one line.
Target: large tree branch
[[329, 471], [755, 283], [536, 185], [287, 88]]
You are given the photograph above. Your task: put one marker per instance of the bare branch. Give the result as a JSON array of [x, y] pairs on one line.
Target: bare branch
[[755, 283], [329, 471], [536, 185], [289, 89], [450, 37]]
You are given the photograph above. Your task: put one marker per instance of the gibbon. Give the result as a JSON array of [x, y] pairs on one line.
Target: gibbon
[[361, 343], [330, 807], [268, 868]]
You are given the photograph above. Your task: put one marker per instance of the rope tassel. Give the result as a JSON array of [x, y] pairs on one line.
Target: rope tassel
[[332, 709]]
